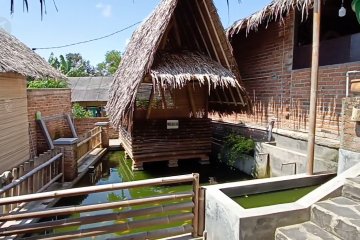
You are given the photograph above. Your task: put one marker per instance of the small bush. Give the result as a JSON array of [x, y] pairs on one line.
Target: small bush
[[48, 83], [80, 112], [234, 147]]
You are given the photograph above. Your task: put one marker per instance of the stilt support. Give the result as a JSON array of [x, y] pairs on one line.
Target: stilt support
[[173, 163]]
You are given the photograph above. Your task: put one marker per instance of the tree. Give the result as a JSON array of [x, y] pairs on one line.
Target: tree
[[72, 65], [111, 63]]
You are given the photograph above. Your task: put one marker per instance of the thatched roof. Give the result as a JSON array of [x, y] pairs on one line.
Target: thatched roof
[[275, 11], [176, 69], [16, 57], [90, 89], [174, 26]]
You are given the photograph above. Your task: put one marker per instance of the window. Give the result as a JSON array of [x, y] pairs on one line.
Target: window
[[339, 37]]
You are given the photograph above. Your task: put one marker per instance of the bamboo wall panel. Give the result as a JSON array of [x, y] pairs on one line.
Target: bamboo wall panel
[[151, 141], [14, 131]]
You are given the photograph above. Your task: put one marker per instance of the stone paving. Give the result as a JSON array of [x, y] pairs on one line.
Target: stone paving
[[336, 218]]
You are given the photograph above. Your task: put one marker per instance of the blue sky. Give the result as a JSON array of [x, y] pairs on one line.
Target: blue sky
[[79, 20]]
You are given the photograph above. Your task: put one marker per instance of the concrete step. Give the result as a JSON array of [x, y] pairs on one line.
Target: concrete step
[[351, 189], [304, 231], [339, 216]]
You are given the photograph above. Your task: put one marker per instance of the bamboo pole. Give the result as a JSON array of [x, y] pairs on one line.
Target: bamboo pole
[[157, 234], [91, 208], [196, 185], [31, 178], [13, 184], [91, 232], [27, 175], [314, 86], [201, 211], [41, 226], [15, 189]]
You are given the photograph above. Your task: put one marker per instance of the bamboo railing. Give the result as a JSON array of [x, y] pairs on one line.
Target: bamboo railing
[[135, 214], [33, 176], [87, 143]]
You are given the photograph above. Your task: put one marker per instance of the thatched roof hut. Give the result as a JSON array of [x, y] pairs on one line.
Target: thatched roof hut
[[180, 42], [16, 57], [275, 11], [177, 67]]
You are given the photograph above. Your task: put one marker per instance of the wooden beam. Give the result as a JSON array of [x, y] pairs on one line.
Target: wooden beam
[[199, 29], [163, 98], [208, 32], [152, 94], [177, 33], [216, 34], [232, 96], [241, 98], [165, 36], [191, 99]]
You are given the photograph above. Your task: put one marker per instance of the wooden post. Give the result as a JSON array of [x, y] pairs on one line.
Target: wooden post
[[21, 173], [150, 102], [31, 179], [191, 99], [314, 86], [196, 186]]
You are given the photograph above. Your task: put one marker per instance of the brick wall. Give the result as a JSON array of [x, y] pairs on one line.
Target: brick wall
[[51, 103], [83, 125], [265, 61], [350, 131]]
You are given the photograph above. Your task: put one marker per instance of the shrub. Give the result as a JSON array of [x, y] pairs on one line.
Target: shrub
[[234, 147], [48, 83], [80, 112]]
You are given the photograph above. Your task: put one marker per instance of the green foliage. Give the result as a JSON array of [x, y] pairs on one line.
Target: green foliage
[[48, 83], [111, 63], [355, 5], [72, 65], [234, 147], [80, 112]]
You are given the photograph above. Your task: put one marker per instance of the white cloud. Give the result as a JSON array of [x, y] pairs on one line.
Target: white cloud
[[106, 9]]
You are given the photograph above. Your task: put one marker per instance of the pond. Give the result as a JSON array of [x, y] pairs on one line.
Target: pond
[[273, 198], [113, 168]]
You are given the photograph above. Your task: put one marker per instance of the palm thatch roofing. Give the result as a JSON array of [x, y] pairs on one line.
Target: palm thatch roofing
[[275, 11], [90, 89], [181, 41], [16, 57]]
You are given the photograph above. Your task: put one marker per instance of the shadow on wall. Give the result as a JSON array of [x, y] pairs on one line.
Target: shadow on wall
[[293, 116]]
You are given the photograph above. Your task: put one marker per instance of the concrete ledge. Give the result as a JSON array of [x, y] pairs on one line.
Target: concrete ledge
[[65, 141], [225, 219]]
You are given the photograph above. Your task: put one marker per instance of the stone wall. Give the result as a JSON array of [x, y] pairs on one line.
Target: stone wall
[[265, 60], [52, 103], [349, 153], [83, 125]]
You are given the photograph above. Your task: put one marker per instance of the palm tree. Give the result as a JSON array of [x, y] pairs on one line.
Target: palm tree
[[26, 6]]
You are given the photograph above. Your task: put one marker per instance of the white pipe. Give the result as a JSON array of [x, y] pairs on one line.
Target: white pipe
[[348, 80]]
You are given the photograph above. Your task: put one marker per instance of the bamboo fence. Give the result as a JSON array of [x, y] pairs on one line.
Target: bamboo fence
[[156, 211], [33, 176]]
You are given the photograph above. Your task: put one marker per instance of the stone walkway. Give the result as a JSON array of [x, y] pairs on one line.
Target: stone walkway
[[333, 219]]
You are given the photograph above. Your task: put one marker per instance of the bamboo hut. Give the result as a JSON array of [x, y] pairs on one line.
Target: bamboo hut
[[177, 68], [17, 61]]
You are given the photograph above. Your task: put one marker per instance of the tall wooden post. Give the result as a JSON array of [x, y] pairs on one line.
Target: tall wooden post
[[314, 86]]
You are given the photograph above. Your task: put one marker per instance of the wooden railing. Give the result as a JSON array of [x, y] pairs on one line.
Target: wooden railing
[[87, 143], [33, 176], [174, 208]]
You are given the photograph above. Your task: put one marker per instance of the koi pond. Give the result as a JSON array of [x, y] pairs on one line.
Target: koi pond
[[114, 168]]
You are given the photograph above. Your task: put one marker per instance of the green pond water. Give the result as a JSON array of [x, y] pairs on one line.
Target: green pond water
[[272, 198], [113, 168]]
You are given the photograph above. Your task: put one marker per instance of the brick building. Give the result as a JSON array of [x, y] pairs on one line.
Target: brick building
[[273, 51]]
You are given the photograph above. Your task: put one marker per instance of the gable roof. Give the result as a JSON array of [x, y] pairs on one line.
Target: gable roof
[[275, 11], [174, 26], [90, 89], [16, 57]]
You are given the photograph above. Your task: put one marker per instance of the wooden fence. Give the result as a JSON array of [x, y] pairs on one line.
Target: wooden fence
[[173, 208], [33, 176], [87, 143]]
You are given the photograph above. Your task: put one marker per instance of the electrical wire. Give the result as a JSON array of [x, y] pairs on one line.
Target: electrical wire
[[87, 41]]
